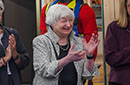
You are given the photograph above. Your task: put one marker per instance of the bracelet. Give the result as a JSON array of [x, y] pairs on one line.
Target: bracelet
[[90, 57], [3, 62], [15, 58]]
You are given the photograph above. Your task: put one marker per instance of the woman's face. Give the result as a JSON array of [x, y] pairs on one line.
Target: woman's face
[[63, 26], [128, 7]]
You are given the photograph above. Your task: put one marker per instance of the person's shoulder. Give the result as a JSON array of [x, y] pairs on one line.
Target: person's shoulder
[[10, 30], [44, 7], [48, 5], [85, 5], [114, 24], [113, 27], [38, 38], [85, 8]]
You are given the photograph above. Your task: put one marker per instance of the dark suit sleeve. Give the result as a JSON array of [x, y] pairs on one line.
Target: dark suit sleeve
[[21, 51]]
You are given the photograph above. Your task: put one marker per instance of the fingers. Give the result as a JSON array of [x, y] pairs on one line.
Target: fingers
[[12, 40], [8, 49], [8, 52], [82, 54], [94, 37], [79, 53], [9, 46], [98, 41]]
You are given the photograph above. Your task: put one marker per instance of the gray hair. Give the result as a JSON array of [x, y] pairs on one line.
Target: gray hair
[[56, 12], [1, 6]]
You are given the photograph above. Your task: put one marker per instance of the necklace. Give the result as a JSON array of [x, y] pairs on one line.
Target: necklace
[[63, 47]]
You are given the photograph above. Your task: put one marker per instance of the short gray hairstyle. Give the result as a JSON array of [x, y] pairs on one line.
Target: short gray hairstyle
[[56, 12], [1, 6]]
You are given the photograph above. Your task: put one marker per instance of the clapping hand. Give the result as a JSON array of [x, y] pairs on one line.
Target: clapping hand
[[75, 56], [91, 45], [8, 53], [12, 43]]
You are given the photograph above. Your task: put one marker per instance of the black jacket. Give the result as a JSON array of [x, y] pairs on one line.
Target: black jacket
[[15, 69]]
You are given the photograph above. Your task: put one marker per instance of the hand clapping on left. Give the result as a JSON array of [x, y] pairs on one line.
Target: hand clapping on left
[[12, 42], [91, 45]]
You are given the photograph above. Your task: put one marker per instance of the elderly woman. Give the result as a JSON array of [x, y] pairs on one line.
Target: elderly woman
[[13, 55], [85, 20], [59, 57]]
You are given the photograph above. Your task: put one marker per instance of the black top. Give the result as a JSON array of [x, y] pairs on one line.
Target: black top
[[68, 76]]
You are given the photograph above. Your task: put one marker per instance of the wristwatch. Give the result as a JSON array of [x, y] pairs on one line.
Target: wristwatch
[[90, 57]]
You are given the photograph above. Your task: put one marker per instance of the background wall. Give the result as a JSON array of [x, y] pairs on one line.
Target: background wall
[[111, 11], [20, 14]]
